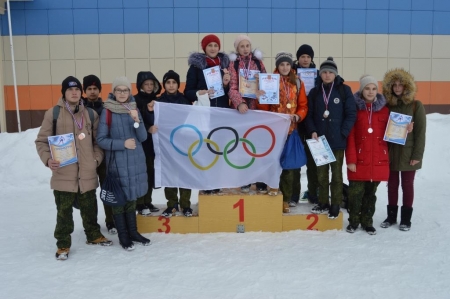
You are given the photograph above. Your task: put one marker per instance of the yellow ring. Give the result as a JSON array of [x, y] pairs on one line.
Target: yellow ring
[[192, 158]]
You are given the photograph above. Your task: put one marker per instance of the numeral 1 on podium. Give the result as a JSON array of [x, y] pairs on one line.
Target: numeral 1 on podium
[[240, 205]]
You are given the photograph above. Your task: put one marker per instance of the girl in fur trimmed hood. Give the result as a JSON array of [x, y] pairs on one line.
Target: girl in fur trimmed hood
[[195, 80], [399, 89]]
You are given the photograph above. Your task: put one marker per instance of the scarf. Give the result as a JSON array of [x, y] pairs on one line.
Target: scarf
[[117, 107], [211, 62]]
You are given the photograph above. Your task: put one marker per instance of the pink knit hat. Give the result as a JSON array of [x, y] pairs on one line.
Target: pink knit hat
[[240, 38]]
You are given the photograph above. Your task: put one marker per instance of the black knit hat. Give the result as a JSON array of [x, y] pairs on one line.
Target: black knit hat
[[171, 75], [305, 49], [69, 82], [92, 80], [328, 65]]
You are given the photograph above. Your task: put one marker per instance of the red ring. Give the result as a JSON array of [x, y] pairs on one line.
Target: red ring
[[271, 146]]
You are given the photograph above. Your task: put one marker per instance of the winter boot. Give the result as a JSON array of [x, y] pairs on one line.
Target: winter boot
[[62, 254], [286, 208], [351, 228], [132, 230], [391, 217], [405, 218], [122, 231], [112, 230], [294, 200], [333, 213]]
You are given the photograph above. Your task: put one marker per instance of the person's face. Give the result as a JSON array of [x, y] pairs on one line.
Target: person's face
[[171, 86], [327, 77], [121, 93], [369, 92], [398, 88], [284, 68], [73, 95], [148, 86], [212, 49], [304, 60], [92, 93], [244, 48]]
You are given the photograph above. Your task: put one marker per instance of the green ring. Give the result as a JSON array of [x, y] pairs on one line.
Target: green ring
[[231, 164]]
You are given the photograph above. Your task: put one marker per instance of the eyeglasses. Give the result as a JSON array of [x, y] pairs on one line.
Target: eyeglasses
[[122, 91]]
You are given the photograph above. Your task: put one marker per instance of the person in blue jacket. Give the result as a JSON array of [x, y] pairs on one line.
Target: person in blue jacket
[[331, 113]]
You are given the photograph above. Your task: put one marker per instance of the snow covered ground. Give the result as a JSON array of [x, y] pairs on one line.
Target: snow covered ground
[[298, 264]]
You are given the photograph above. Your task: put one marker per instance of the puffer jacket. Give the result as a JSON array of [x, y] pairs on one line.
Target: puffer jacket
[[368, 151], [401, 155], [131, 167], [195, 79], [97, 105], [81, 175], [337, 126]]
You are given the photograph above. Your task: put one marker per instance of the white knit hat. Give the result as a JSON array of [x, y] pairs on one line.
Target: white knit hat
[[121, 81], [240, 38], [365, 80]]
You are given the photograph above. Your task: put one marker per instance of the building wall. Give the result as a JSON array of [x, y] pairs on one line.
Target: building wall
[[109, 38]]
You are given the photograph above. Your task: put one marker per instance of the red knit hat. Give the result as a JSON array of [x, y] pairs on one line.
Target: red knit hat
[[211, 38]]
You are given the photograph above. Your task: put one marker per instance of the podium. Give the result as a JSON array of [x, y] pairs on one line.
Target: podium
[[233, 211]]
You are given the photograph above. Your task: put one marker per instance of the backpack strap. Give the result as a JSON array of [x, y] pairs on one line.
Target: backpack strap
[[299, 85], [91, 117], [236, 65], [56, 110], [258, 64], [108, 118]]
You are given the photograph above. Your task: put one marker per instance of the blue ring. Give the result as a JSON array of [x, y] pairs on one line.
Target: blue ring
[[193, 128]]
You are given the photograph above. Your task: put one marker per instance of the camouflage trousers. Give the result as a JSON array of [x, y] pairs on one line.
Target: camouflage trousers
[[289, 183], [64, 217], [311, 174], [130, 206], [147, 198], [323, 178], [361, 202], [101, 172], [172, 197]]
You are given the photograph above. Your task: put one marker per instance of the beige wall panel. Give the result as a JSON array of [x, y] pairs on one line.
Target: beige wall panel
[[353, 69], [377, 45], [269, 63], [87, 46], [421, 46], [111, 69], [161, 66], [185, 43], [441, 46], [398, 63], [21, 73], [354, 45], [39, 72], [377, 67], [88, 67], [137, 46], [310, 39], [134, 66], [60, 69], [62, 47], [263, 42], [440, 70], [162, 46], [20, 48], [421, 69], [283, 42], [330, 45], [38, 47], [399, 46], [228, 42], [112, 46], [181, 67]]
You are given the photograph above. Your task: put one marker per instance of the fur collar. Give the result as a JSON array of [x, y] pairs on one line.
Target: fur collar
[[256, 54], [378, 104], [408, 82], [199, 60]]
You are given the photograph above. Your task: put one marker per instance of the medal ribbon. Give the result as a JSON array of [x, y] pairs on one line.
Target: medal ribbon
[[369, 116], [79, 124], [287, 90], [325, 97], [246, 71]]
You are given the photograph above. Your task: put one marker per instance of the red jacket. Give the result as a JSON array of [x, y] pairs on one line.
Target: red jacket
[[368, 150]]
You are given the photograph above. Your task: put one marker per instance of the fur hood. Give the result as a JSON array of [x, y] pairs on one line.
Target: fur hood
[[408, 82], [378, 104], [199, 60], [256, 54]]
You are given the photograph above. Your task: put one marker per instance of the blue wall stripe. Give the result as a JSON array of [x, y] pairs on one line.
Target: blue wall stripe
[[42, 17]]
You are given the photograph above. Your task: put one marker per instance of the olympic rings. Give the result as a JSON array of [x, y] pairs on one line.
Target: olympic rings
[[271, 146], [191, 158], [235, 166], [200, 137], [236, 140]]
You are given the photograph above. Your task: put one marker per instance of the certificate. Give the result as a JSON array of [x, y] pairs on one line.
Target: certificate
[[213, 79], [270, 83], [248, 85], [321, 151], [63, 150], [308, 76], [396, 129]]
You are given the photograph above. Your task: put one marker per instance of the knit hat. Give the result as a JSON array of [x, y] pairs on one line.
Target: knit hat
[[328, 65], [305, 49], [240, 38], [283, 56], [211, 38], [171, 75], [365, 80], [121, 81], [69, 82], [92, 80]]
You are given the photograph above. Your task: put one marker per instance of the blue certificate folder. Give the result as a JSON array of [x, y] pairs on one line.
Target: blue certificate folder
[[63, 150], [396, 129]]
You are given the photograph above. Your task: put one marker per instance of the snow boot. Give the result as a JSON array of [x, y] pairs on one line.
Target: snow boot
[[351, 228], [391, 217], [62, 254], [112, 230], [405, 218], [122, 232], [370, 230], [132, 230], [320, 208], [333, 213], [286, 208]]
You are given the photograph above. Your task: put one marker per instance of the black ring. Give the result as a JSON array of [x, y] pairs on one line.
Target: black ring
[[231, 149]]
